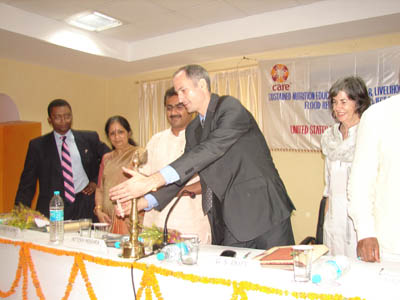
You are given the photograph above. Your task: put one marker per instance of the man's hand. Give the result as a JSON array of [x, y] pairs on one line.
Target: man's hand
[[136, 186], [90, 188], [194, 188], [368, 250], [124, 208]]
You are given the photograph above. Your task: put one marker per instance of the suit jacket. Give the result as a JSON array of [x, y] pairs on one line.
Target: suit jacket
[[43, 163], [232, 157]]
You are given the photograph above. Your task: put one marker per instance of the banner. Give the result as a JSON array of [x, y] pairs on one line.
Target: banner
[[294, 93]]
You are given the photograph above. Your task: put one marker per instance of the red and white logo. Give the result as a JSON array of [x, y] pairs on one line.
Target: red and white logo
[[279, 73]]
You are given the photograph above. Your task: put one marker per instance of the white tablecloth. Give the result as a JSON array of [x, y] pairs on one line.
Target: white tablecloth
[[194, 282]]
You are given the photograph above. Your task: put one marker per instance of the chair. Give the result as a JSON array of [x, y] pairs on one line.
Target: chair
[[318, 239]]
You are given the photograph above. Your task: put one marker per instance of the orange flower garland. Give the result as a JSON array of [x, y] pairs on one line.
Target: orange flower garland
[[85, 276], [25, 275], [238, 292], [71, 279], [16, 280], [149, 283], [35, 280]]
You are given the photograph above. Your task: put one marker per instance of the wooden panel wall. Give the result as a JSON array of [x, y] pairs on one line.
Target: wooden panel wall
[[14, 141]]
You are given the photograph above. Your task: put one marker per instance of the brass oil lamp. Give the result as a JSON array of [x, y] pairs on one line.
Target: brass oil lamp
[[133, 248]]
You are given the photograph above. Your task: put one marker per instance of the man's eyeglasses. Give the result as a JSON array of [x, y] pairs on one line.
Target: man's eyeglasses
[[178, 106]]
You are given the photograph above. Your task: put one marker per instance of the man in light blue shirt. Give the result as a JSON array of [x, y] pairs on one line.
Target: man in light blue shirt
[[242, 193]]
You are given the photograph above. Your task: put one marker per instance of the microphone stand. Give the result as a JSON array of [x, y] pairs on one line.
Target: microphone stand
[[165, 234]]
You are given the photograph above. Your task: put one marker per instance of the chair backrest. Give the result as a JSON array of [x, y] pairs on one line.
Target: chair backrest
[[318, 239], [320, 223]]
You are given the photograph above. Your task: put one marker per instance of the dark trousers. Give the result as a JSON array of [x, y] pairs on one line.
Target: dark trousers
[[278, 235], [217, 223], [81, 208]]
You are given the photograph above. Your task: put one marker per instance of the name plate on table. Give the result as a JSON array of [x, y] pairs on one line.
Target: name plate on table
[[86, 243], [236, 262], [10, 231]]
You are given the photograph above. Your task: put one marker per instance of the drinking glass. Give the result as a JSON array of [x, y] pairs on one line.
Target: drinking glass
[[302, 260], [85, 226], [189, 249], [101, 230]]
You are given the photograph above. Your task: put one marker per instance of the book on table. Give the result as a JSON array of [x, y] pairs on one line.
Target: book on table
[[282, 255]]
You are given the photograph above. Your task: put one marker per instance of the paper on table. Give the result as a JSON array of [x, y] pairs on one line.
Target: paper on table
[[41, 223]]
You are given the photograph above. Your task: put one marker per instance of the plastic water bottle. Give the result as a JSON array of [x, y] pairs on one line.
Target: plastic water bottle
[[329, 271], [171, 252], [56, 219]]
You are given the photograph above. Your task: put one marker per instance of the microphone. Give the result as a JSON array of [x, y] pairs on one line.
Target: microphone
[[165, 235]]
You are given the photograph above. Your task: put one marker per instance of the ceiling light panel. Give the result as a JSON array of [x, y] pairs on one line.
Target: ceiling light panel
[[94, 21]]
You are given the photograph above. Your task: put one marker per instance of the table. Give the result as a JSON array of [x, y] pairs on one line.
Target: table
[[38, 270]]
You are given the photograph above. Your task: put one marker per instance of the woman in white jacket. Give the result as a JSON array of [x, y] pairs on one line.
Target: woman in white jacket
[[349, 99]]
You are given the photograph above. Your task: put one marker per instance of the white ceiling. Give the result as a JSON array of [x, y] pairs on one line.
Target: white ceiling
[[159, 34]]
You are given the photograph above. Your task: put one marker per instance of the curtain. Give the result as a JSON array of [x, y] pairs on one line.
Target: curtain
[[152, 117], [241, 83]]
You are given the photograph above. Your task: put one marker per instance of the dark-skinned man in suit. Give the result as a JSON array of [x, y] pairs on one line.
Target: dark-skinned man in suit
[[43, 163]]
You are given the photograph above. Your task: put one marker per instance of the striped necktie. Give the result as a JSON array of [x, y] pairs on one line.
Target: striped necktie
[[67, 171]]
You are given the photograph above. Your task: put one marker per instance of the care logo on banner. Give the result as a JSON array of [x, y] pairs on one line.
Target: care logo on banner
[[295, 101], [280, 74]]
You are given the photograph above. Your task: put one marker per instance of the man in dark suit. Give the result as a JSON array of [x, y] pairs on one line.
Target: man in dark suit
[[224, 145], [43, 163]]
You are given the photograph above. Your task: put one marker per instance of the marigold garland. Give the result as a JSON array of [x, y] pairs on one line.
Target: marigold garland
[[149, 283], [85, 276], [16, 279], [238, 291], [71, 279], [35, 280], [25, 275]]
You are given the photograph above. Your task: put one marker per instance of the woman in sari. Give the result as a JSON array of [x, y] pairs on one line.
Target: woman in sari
[[119, 134]]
